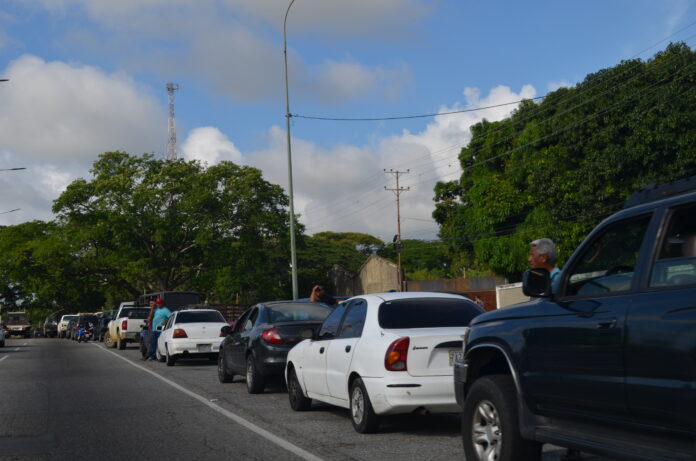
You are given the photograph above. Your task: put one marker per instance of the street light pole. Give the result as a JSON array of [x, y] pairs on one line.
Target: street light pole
[[293, 253]]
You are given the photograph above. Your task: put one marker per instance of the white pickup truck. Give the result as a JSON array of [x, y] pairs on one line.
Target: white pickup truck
[[126, 326]]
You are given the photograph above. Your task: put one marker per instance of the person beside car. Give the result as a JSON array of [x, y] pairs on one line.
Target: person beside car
[[542, 254], [162, 313]]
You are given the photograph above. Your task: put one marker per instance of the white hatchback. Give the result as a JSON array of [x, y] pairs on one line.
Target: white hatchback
[[382, 354], [191, 333]]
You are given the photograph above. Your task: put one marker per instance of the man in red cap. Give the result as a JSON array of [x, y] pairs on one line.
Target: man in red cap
[[161, 316]]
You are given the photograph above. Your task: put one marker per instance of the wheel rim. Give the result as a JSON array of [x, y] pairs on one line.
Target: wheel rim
[[486, 433], [357, 405], [250, 373]]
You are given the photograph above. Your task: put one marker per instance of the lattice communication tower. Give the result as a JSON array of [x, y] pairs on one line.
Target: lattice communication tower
[[171, 145]]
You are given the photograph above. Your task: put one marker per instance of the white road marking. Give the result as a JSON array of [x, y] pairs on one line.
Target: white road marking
[[25, 344], [228, 414], [17, 349], [4, 358]]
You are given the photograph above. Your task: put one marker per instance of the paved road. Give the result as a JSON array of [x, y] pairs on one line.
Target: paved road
[[60, 399]]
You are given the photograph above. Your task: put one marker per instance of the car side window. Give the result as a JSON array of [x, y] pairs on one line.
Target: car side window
[[239, 325], [607, 265], [676, 261], [251, 320], [354, 320], [330, 326]]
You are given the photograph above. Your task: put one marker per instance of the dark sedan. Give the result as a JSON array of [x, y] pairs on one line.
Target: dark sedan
[[259, 343]]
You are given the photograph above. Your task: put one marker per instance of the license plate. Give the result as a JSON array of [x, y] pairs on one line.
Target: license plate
[[203, 347], [455, 356]]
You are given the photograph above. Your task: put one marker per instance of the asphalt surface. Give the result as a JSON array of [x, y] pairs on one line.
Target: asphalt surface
[[64, 400]]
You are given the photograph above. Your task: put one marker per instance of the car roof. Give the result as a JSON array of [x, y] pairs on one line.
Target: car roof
[[392, 295]]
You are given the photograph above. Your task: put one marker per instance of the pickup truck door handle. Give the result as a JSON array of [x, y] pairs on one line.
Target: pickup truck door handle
[[608, 322], [321, 350], [348, 348]]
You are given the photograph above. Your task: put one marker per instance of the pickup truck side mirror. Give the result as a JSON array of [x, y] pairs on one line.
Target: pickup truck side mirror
[[226, 330], [537, 283]]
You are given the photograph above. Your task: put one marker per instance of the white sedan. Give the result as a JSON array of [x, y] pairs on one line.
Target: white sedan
[[191, 333], [382, 354]]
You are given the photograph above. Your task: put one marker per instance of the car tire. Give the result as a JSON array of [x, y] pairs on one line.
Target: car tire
[[120, 343], [170, 359], [108, 342], [224, 375], [2, 343], [160, 357], [298, 401], [490, 426], [143, 348], [362, 415], [255, 381]]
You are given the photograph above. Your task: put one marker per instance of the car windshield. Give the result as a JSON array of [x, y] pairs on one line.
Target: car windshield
[[200, 317], [90, 319], [136, 312], [67, 318], [297, 312], [15, 319], [427, 313]]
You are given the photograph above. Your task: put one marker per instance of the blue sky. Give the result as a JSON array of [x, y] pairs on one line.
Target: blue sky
[[89, 76]]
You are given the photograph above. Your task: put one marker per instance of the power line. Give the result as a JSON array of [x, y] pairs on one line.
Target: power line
[[405, 117]]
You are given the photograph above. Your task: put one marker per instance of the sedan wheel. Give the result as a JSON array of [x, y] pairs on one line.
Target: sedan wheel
[[170, 358], [298, 401], [254, 380], [363, 417], [224, 376]]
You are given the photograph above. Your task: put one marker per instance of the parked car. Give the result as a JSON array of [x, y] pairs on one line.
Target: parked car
[[603, 361], [102, 327], [84, 329], [50, 326], [259, 343], [2, 336], [190, 333], [63, 324], [382, 354], [17, 324]]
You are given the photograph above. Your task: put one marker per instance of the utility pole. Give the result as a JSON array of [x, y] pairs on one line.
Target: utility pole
[[397, 238], [171, 145]]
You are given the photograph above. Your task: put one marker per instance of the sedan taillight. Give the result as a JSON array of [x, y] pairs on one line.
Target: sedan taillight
[[179, 333], [397, 353], [271, 336]]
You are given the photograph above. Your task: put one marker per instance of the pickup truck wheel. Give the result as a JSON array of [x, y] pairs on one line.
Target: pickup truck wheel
[[362, 415], [255, 381], [490, 428], [224, 375], [298, 401], [108, 342], [171, 360], [120, 343]]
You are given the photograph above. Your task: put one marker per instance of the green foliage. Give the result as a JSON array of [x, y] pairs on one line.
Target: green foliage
[[420, 259], [556, 168]]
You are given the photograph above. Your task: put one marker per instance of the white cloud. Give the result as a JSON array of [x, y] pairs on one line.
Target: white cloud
[[56, 118], [342, 188], [553, 86], [209, 145]]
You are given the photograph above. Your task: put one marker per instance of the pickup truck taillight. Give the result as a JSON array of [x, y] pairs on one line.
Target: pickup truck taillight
[[397, 353], [179, 333], [124, 325]]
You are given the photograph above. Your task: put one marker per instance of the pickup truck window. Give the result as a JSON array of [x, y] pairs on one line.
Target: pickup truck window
[[607, 265], [135, 313], [676, 262]]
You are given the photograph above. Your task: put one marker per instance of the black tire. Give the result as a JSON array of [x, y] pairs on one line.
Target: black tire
[[362, 415], [160, 357], [143, 349], [224, 375], [255, 381], [490, 427], [298, 401], [120, 343], [170, 359], [2, 343]]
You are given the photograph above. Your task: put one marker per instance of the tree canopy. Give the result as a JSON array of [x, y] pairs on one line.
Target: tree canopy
[[556, 168]]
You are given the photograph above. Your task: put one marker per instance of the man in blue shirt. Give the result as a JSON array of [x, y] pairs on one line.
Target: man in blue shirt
[[542, 253], [161, 315]]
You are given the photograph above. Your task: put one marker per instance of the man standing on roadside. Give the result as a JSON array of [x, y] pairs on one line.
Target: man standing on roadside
[[542, 254], [147, 335], [161, 315]]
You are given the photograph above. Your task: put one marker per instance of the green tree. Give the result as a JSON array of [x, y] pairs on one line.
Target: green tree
[[556, 168]]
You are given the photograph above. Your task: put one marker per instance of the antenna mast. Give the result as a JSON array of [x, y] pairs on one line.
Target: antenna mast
[[171, 145]]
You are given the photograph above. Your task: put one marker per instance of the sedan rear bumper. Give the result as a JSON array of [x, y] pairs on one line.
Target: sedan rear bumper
[[192, 346], [434, 394]]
